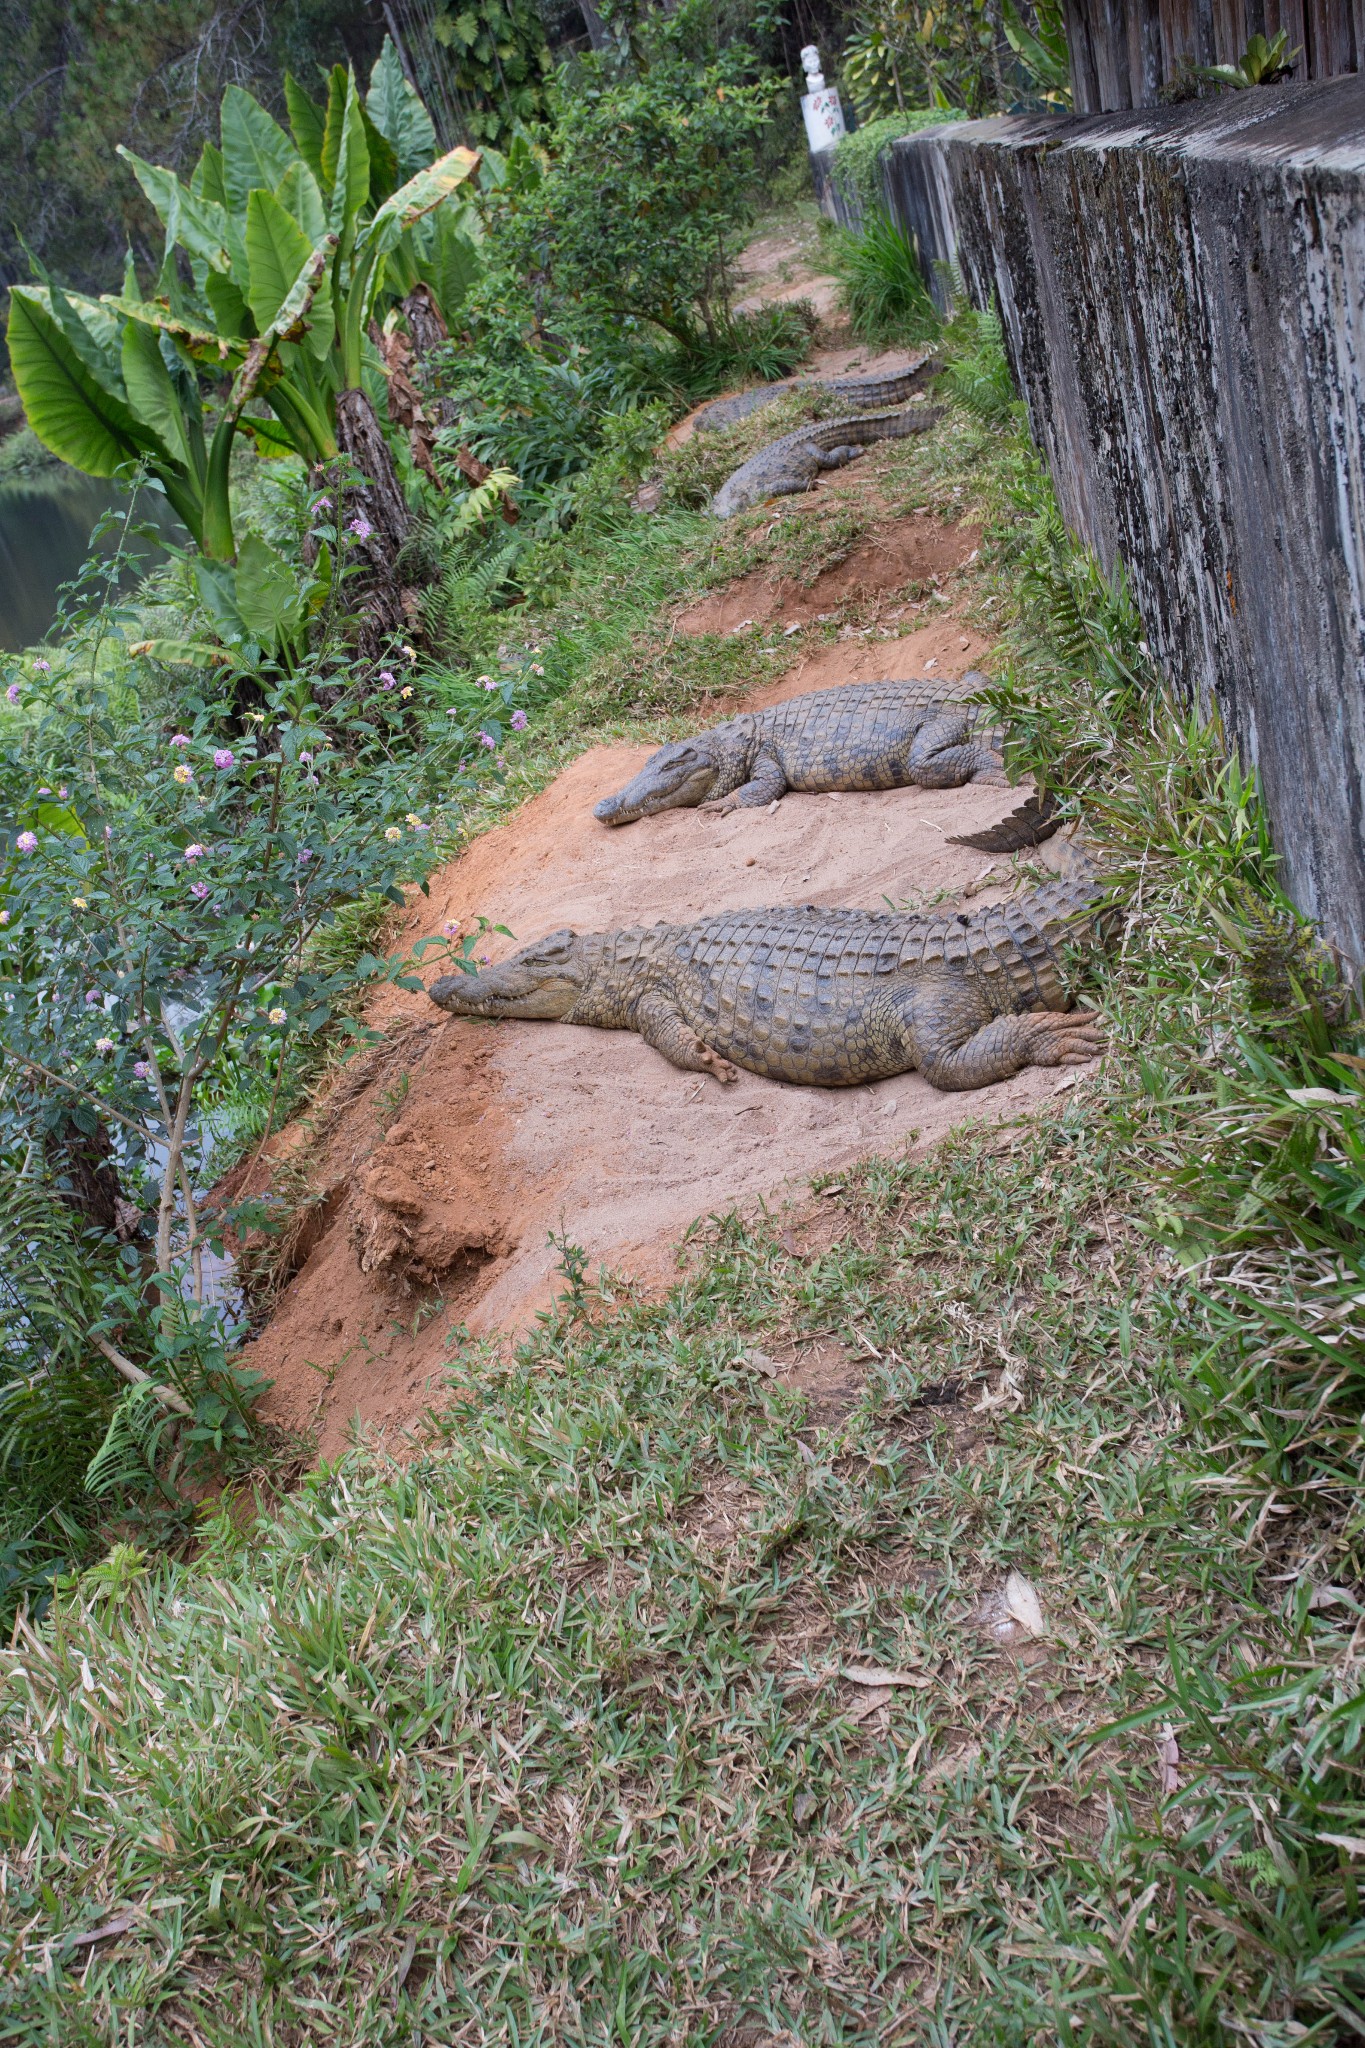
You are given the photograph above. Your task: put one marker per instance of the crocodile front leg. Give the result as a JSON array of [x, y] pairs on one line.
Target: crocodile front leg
[[946, 754], [661, 1024], [838, 458], [765, 785], [947, 1032]]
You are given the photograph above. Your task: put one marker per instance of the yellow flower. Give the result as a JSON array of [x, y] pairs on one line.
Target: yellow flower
[[414, 821], [393, 832], [184, 773], [79, 903], [277, 1015], [406, 690]]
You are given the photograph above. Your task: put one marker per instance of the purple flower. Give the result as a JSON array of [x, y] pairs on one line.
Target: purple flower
[[26, 842], [305, 757], [194, 851], [305, 855], [322, 504], [387, 678], [199, 890], [62, 791], [104, 1045], [518, 721], [43, 789], [13, 693], [361, 527], [92, 995], [179, 739], [141, 1069], [43, 667], [223, 757], [486, 739]]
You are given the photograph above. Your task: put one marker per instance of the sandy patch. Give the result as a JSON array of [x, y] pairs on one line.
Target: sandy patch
[[446, 1168], [909, 559]]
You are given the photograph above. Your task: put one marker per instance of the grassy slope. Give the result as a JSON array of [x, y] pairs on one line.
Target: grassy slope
[[543, 1737]]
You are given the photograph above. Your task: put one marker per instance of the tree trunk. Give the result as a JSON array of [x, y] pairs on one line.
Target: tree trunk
[[425, 322], [377, 502]]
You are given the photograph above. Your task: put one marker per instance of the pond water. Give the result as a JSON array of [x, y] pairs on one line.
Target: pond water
[[46, 519]]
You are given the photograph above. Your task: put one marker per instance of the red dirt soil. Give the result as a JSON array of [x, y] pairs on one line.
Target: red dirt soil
[[501, 1134]]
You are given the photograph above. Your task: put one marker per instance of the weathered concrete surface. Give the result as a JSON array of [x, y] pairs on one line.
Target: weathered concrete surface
[[1183, 296]]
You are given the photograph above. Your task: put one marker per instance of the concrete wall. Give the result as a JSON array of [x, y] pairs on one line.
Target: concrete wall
[[1183, 297]]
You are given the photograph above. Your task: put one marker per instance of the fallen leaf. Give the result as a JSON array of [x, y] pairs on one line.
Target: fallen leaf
[[760, 1362], [872, 1704], [804, 1803], [1332, 1596], [979, 881], [1354, 1845], [1067, 1081], [874, 1674], [1024, 1605], [837, 1189], [1167, 1757], [120, 1924], [1307, 1096]]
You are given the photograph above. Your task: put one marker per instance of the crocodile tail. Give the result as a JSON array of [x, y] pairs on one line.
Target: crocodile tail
[[1029, 825]]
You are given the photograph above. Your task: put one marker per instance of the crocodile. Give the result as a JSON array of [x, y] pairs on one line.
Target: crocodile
[[794, 462], [850, 391], [826, 998], [882, 735]]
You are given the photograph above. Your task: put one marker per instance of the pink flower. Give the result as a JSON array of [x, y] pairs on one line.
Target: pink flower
[[486, 739], [104, 1045], [322, 504], [43, 789], [305, 855], [305, 757], [451, 928], [489, 682], [141, 1069], [518, 721], [43, 667], [194, 851], [26, 842], [361, 527], [223, 757], [199, 890], [92, 995], [387, 678], [179, 739], [62, 791], [13, 693]]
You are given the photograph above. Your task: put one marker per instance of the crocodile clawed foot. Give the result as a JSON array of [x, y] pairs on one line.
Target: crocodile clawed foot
[[714, 1064], [1067, 1038], [719, 806]]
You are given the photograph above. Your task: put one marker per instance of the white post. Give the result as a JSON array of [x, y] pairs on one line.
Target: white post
[[824, 116]]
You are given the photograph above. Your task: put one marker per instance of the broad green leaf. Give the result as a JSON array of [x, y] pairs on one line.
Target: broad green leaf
[[422, 193], [268, 594], [183, 653], [230, 308], [256, 150], [200, 226], [307, 122], [203, 343], [216, 585], [276, 251], [309, 299], [70, 412], [334, 124], [270, 437], [383, 161], [446, 259], [207, 181], [398, 113], [93, 332], [352, 183], [299, 195], [151, 394]]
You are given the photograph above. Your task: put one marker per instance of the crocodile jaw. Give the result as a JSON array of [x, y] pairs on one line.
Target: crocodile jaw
[[678, 777], [544, 980]]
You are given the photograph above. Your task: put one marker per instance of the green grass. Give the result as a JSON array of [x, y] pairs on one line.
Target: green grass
[[544, 1735]]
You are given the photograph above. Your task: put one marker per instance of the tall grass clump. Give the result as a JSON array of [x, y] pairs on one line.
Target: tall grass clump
[[884, 291]]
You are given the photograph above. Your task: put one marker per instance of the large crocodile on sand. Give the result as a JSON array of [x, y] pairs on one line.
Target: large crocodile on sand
[[796, 461], [849, 391], [883, 735], [829, 998]]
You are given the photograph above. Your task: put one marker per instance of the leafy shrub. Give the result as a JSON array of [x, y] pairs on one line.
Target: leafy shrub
[[884, 289], [647, 177], [858, 155], [976, 369], [757, 347]]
